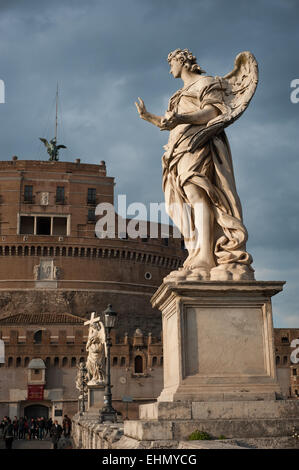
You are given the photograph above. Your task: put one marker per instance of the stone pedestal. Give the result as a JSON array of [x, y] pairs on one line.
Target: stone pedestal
[[218, 340], [95, 397], [219, 369]]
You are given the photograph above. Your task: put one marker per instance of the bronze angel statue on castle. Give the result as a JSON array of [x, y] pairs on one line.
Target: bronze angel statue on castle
[[52, 148], [198, 177]]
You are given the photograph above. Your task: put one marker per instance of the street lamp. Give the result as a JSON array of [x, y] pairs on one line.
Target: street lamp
[[83, 372], [108, 413]]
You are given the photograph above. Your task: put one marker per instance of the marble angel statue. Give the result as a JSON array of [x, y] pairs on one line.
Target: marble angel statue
[[198, 177]]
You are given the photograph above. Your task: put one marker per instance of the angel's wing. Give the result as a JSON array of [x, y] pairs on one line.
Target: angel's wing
[[103, 336], [61, 147], [240, 86], [238, 89], [44, 141]]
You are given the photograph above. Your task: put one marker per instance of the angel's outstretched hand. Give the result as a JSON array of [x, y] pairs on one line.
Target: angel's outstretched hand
[[141, 108]]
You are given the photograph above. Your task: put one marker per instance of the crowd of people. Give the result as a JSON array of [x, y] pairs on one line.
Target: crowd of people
[[34, 428]]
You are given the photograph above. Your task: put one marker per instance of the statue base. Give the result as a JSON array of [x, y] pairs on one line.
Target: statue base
[[175, 421], [217, 340], [219, 369], [95, 397]]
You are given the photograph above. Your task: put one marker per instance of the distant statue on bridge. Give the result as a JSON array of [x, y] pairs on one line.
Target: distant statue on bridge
[[96, 348]]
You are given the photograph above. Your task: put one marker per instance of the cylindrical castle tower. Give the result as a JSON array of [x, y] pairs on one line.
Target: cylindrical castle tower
[[51, 259]]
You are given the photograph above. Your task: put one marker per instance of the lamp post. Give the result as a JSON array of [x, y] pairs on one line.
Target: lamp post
[[108, 413], [83, 371]]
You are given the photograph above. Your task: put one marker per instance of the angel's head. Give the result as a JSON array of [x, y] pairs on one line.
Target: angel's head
[[183, 58]]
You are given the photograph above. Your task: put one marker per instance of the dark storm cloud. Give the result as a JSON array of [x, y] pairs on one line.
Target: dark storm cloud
[[105, 54]]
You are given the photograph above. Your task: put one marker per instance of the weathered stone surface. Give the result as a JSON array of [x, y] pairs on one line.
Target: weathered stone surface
[[148, 430], [241, 410], [233, 428], [88, 434], [165, 411], [218, 340]]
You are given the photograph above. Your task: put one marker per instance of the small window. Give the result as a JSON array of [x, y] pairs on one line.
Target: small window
[[64, 362], [26, 361], [123, 362], [277, 360], [28, 193], [91, 196], [10, 362], [91, 215], [165, 241], [144, 240], [73, 362], [43, 225], [36, 371], [60, 194], [18, 362], [37, 338], [26, 225], [56, 361], [285, 359], [154, 361], [285, 339], [115, 361], [138, 365], [294, 371]]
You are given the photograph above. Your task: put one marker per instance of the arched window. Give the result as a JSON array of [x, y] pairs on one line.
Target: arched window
[[64, 362], [123, 362], [10, 362], [154, 361], [277, 360], [56, 361], [138, 363], [73, 362], [114, 362], [37, 338], [26, 361], [285, 359], [18, 362]]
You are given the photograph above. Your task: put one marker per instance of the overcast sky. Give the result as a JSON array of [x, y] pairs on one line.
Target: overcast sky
[[105, 54]]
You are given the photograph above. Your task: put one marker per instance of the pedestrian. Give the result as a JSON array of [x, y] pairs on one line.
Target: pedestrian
[[67, 426], [21, 429], [15, 427], [8, 434], [49, 425], [56, 432], [26, 428], [41, 428], [32, 429]]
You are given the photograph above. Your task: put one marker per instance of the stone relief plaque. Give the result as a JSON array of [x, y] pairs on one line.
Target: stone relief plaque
[[44, 199]]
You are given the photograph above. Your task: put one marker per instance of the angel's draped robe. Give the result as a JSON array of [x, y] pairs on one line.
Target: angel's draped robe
[[205, 162]]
